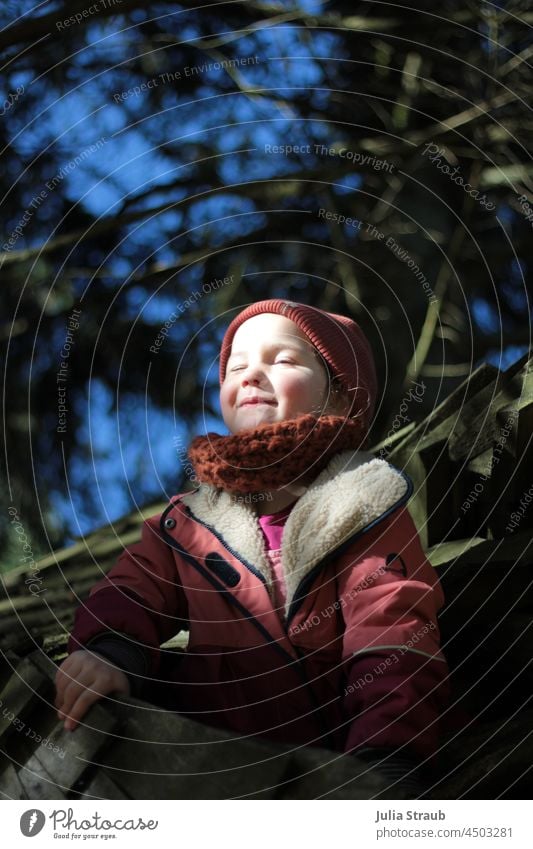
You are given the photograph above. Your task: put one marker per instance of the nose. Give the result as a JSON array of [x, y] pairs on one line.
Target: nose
[[252, 375]]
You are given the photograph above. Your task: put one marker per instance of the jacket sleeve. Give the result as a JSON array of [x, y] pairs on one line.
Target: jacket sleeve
[[396, 675], [140, 601]]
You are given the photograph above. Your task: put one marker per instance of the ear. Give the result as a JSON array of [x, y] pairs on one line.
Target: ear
[[339, 402]]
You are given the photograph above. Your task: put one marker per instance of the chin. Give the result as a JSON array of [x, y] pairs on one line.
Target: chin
[[254, 421]]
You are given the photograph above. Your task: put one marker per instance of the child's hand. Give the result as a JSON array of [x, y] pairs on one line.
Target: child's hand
[[81, 680]]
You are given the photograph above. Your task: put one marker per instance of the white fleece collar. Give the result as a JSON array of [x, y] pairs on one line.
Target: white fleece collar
[[353, 490]]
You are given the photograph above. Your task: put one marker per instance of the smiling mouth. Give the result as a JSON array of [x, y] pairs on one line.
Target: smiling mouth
[[253, 402]]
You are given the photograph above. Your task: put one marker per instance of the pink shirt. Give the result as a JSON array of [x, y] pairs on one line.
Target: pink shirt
[[273, 526]]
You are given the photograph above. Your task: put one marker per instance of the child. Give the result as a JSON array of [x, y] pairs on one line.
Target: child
[[294, 563]]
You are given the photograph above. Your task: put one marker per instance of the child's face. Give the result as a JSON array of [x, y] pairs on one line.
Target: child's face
[[273, 373]]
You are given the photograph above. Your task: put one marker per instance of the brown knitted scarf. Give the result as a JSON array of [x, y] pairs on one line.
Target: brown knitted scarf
[[273, 455]]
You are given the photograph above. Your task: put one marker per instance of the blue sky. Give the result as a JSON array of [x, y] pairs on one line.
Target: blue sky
[[138, 443]]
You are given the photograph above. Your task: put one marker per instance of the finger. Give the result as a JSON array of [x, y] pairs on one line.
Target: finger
[[83, 693], [69, 669], [82, 698], [71, 686], [79, 666], [77, 711], [61, 686], [69, 697]]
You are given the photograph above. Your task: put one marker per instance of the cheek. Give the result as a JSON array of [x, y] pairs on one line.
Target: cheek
[[226, 397], [305, 393]]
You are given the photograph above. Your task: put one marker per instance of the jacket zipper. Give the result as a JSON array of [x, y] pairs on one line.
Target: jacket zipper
[[296, 603], [308, 579], [297, 661], [205, 572]]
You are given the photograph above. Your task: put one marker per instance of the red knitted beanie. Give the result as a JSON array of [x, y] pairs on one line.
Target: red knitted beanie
[[339, 340]]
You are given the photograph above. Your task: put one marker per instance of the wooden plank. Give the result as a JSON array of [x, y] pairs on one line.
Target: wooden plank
[[58, 758], [179, 642], [24, 603], [102, 786], [10, 785], [482, 463], [37, 783], [54, 644], [445, 552], [79, 750], [432, 505], [390, 442], [478, 429], [8, 662], [34, 623], [455, 402], [43, 664], [24, 686], [481, 421], [513, 551], [487, 622], [524, 364], [18, 640], [322, 774], [441, 516], [413, 466], [123, 532], [161, 754], [485, 761], [523, 443]]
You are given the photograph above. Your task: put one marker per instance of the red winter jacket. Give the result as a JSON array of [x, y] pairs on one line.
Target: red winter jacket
[[354, 659]]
